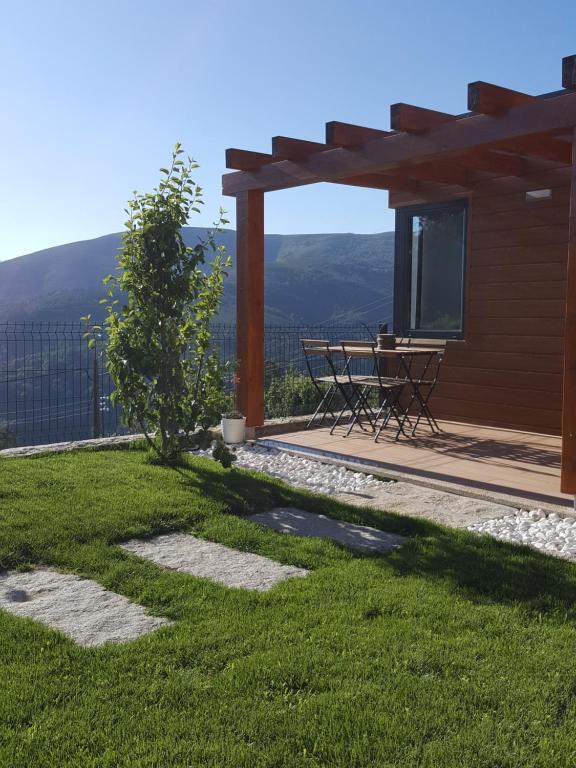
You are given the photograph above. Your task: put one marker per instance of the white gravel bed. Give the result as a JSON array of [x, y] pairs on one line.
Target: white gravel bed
[[550, 533], [301, 523], [206, 559], [304, 473], [80, 608]]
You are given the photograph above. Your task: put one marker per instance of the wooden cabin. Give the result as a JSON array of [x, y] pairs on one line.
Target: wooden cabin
[[494, 191]]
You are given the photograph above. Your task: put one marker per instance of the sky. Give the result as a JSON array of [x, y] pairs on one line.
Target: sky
[[95, 95]]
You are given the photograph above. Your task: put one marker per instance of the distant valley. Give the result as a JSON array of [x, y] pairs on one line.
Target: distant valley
[[332, 278]]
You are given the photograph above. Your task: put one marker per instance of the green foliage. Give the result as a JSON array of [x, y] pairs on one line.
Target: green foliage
[[290, 395], [293, 394], [167, 379]]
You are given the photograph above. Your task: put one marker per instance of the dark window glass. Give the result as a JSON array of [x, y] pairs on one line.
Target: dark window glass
[[430, 257]]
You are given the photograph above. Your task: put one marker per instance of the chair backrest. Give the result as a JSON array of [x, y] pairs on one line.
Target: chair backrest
[[432, 371], [314, 348], [424, 369], [348, 349]]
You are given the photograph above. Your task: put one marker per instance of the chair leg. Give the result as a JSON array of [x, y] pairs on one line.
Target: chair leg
[[348, 403], [328, 409], [427, 413], [316, 412], [328, 394], [360, 405], [365, 406]]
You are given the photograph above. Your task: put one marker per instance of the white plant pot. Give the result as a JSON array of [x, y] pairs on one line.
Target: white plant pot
[[233, 430]]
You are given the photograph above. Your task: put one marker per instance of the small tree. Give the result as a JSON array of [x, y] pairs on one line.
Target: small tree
[[167, 379]]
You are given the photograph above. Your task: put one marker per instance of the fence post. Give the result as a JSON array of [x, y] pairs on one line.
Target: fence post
[[96, 424]]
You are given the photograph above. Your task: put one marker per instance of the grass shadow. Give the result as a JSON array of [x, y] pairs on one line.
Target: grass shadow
[[477, 567]]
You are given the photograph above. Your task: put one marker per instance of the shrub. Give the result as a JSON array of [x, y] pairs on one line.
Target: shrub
[[291, 394]]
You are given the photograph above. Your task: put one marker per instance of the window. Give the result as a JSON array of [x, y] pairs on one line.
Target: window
[[429, 270]]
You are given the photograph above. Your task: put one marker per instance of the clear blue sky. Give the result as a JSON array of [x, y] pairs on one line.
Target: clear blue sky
[[94, 95]]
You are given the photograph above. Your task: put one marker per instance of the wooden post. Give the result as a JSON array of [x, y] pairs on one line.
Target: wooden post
[[250, 306], [568, 475]]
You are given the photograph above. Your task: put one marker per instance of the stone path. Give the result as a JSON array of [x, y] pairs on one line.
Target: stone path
[[301, 523], [208, 560], [80, 608], [419, 501], [363, 489]]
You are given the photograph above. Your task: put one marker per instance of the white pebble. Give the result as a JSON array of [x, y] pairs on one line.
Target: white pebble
[[550, 533]]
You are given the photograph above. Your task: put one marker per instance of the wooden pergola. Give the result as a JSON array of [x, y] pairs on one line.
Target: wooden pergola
[[426, 154]]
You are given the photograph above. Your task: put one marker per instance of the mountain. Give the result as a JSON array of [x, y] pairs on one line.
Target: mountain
[[342, 278]]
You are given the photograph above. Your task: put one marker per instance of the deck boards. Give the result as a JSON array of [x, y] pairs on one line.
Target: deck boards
[[521, 464]]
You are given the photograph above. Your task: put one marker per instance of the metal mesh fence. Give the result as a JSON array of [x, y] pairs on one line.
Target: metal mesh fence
[[54, 388]]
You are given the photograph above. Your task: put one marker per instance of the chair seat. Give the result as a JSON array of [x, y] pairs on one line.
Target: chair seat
[[381, 383], [331, 379]]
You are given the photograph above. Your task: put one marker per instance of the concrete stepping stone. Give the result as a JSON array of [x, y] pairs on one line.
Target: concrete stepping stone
[[301, 523], [205, 559], [80, 608]]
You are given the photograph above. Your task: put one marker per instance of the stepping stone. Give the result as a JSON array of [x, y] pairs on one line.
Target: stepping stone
[[301, 523], [80, 608], [205, 559]]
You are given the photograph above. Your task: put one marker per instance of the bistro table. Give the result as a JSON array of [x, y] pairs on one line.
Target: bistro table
[[405, 357]]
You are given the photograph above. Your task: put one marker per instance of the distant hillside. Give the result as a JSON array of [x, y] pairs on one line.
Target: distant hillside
[[309, 278]]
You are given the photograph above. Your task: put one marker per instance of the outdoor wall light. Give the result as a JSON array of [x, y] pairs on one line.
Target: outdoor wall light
[[539, 194]]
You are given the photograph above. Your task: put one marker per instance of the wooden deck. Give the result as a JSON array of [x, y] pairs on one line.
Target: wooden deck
[[484, 460]]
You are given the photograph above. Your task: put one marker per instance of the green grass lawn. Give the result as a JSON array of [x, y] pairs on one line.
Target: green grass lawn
[[453, 651]]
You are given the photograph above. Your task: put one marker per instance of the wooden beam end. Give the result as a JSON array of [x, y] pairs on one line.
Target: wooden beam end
[[396, 116], [473, 98], [569, 72]]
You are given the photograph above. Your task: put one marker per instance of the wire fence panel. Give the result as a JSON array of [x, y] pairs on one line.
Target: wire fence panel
[[53, 388]]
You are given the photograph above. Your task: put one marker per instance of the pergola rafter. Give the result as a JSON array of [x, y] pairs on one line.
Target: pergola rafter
[[489, 99], [506, 133], [349, 135], [569, 73], [411, 119]]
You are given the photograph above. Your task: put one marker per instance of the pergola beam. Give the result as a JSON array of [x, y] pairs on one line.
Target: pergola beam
[[526, 123], [439, 173], [412, 119], [381, 181], [245, 160], [569, 73], [494, 162], [349, 135], [286, 148], [540, 145], [492, 99]]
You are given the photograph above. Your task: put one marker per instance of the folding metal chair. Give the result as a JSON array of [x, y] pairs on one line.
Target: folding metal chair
[[316, 351], [427, 382], [388, 389], [351, 390]]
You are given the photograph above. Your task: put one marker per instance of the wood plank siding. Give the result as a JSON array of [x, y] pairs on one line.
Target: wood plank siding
[[507, 372]]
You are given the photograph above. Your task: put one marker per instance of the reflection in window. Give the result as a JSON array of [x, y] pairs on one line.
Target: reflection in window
[[434, 250]]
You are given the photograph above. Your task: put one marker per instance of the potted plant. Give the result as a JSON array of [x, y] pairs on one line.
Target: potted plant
[[233, 427], [233, 422]]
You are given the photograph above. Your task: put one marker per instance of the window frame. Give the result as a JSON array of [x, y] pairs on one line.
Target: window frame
[[403, 267]]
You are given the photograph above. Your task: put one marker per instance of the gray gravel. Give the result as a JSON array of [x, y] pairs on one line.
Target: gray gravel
[[208, 560], [80, 608], [301, 523]]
